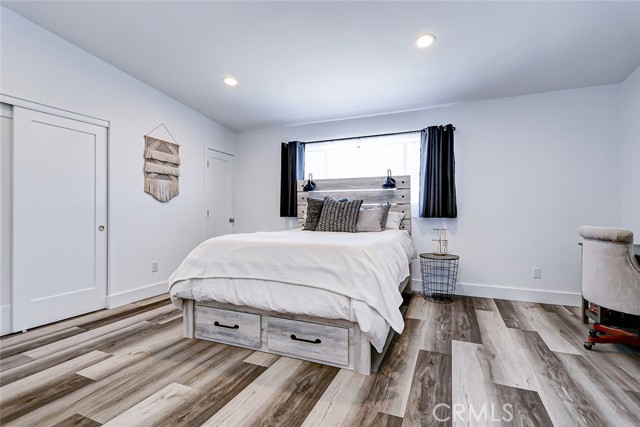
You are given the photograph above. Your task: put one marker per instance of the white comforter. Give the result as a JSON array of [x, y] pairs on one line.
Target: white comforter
[[351, 276]]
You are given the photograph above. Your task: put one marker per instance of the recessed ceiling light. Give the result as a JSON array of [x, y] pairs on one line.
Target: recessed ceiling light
[[425, 40], [230, 81]]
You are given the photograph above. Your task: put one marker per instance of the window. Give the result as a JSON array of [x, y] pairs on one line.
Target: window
[[369, 156]]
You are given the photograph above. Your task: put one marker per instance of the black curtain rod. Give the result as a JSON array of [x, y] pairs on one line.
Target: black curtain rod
[[364, 136]]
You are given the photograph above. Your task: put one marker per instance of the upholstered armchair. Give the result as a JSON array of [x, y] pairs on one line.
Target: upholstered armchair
[[610, 278]]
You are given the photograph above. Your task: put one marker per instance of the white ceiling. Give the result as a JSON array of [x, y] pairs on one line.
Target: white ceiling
[[305, 61]]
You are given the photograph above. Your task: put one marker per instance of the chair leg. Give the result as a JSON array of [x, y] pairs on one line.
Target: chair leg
[[615, 336], [612, 330], [585, 306]]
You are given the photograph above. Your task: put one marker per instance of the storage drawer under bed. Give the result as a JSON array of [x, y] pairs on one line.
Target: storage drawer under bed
[[308, 340], [227, 326]]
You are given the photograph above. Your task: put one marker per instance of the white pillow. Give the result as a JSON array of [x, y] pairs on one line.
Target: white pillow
[[369, 219], [393, 220]]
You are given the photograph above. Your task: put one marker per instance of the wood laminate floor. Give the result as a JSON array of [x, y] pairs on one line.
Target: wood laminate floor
[[476, 362]]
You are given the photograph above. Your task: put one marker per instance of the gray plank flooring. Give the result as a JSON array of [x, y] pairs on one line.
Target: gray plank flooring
[[476, 362]]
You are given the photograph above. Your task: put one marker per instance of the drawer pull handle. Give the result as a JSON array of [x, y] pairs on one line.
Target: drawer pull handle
[[220, 325], [316, 341]]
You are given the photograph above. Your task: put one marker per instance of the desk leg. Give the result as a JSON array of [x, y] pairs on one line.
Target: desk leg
[[585, 307]]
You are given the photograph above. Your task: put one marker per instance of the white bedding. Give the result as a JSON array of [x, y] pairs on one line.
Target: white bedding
[[350, 276]]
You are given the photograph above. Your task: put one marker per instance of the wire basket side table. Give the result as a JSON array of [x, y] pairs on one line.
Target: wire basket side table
[[439, 276]]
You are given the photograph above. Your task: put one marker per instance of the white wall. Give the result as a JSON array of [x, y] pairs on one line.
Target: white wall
[[41, 67], [630, 96], [530, 170]]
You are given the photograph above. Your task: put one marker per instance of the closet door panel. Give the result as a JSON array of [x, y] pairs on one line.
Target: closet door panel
[[59, 218]]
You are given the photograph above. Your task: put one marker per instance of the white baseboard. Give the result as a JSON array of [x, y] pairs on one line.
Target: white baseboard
[[5, 319], [113, 301], [133, 295], [511, 293]]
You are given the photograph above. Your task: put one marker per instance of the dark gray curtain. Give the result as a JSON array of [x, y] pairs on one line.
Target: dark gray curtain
[[291, 170], [437, 173]]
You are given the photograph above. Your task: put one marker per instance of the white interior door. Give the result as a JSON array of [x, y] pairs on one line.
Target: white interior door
[[59, 218], [219, 194]]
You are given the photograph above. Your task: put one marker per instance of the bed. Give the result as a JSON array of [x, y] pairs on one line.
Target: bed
[[326, 297]]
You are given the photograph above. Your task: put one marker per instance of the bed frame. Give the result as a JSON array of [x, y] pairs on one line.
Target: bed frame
[[331, 342]]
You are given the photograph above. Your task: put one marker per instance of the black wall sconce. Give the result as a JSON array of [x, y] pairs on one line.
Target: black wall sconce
[[388, 183], [309, 185]]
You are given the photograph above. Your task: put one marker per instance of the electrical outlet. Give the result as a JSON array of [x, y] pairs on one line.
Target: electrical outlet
[[154, 266], [537, 273]]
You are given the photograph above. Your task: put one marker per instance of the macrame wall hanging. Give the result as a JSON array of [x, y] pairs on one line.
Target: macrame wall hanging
[[161, 161]]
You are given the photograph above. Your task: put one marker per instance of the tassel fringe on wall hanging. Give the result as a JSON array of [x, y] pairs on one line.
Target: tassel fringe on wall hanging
[[161, 172]]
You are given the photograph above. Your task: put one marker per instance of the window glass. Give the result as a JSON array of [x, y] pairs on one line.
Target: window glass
[[362, 157]]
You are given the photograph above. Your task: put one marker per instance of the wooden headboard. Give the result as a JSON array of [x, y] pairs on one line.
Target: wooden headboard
[[368, 189]]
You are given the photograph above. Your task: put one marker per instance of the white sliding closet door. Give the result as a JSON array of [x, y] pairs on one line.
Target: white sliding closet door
[[6, 133], [59, 218]]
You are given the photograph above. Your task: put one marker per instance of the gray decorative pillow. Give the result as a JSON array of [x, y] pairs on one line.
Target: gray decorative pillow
[[314, 209], [339, 216], [393, 220], [369, 218], [385, 213]]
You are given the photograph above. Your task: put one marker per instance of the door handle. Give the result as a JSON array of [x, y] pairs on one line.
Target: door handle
[[232, 220], [101, 228]]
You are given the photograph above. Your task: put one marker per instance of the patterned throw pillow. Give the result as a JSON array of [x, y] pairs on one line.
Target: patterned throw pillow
[[314, 209], [339, 216]]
